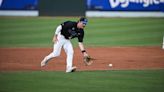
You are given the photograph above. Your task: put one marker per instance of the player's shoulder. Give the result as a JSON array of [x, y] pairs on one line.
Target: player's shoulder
[[69, 23]]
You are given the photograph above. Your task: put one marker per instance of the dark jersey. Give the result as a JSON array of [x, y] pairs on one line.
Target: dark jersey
[[70, 31]]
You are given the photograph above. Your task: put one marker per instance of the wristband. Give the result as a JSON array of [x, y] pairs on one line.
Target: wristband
[[83, 51]]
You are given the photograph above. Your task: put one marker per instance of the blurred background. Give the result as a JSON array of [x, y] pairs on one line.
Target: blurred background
[[111, 22], [91, 8]]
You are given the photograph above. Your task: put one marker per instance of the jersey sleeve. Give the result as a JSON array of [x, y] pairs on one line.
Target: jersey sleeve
[[58, 29], [81, 36]]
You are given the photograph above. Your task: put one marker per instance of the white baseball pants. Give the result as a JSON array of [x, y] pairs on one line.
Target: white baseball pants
[[66, 44]]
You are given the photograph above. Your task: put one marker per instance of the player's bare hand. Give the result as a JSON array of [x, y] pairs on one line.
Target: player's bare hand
[[85, 54]]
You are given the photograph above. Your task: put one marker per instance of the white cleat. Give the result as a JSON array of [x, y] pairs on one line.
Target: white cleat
[[72, 69], [43, 63]]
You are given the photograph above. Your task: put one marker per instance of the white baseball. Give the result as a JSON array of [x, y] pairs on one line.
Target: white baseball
[[110, 65]]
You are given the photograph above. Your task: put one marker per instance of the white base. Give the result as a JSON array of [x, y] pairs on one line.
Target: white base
[[18, 13], [123, 14]]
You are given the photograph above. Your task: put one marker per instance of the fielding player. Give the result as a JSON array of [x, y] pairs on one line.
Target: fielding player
[[63, 34]]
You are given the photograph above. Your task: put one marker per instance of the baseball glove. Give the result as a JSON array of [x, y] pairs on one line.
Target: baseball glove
[[88, 60]]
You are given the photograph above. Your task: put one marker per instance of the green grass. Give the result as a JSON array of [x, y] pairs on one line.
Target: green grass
[[38, 31], [86, 81]]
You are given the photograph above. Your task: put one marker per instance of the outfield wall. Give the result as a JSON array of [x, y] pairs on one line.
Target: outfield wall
[[125, 8], [89, 8], [19, 8], [62, 7], [42, 7]]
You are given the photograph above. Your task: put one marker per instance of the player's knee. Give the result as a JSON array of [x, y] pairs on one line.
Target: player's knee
[[56, 54]]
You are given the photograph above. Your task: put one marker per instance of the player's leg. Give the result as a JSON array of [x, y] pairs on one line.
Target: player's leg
[[56, 52], [69, 52]]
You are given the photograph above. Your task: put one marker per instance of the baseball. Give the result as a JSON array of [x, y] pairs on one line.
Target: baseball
[[110, 65]]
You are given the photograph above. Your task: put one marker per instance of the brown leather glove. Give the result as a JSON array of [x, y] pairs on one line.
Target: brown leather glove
[[88, 60]]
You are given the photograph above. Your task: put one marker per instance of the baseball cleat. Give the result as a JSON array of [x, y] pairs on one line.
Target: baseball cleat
[[43, 63], [72, 69]]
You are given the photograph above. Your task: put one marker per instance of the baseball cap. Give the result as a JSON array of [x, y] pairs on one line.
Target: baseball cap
[[83, 20]]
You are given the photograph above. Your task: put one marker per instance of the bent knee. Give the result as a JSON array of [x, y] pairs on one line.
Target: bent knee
[[56, 54]]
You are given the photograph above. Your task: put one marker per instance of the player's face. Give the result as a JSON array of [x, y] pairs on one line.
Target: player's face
[[81, 25]]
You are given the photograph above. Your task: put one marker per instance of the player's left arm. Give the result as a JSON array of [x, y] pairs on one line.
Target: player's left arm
[[87, 59], [81, 46]]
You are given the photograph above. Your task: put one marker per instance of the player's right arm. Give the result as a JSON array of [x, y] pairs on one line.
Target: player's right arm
[[58, 30]]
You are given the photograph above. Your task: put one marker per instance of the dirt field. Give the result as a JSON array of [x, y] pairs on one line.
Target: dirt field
[[122, 58]]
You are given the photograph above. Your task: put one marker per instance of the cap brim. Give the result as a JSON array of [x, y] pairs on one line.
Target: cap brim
[[84, 22]]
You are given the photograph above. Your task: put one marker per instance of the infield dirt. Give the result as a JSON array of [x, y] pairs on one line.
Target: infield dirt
[[122, 58]]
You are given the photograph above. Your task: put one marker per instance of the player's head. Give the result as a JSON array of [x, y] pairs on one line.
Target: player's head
[[82, 22]]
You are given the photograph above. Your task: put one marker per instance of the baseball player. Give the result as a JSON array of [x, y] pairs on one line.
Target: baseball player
[[63, 34]]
